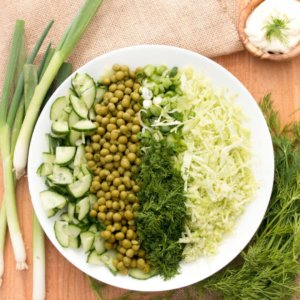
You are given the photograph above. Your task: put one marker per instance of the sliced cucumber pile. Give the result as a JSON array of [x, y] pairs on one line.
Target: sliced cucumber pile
[[71, 115], [66, 174]]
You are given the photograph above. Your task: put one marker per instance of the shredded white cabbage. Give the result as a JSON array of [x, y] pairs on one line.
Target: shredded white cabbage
[[216, 166]]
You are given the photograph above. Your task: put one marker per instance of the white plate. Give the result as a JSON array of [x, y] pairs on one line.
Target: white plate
[[246, 226]]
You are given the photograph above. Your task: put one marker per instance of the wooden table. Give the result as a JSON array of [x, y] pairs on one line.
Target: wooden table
[[64, 281]]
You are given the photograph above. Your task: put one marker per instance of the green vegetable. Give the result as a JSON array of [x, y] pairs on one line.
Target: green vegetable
[[5, 149], [161, 218], [62, 52], [269, 267], [216, 166]]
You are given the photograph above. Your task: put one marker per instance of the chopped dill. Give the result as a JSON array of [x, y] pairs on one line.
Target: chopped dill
[[161, 218]]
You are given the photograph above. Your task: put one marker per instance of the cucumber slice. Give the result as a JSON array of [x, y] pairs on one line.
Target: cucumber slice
[[94, 258], [45, 169], [58, 110], [74, 242], [92, 115], [85, 88], [73, 233], [78, 188], [79, 107], [71, 210], [99, 244], [71, 92], [53, 143], [61, 233], [87, 240], [65, 217], [60, 127], [80, 156], [82, 208], [139, 274], [48, 158], [74, 230], [61, 175], [93, 228], [64, 155], [107, 258], [51, 212], [100, 91], [88, 96], [93, 199], [74, 137], [84, 126], [52, 200], [73, 118]]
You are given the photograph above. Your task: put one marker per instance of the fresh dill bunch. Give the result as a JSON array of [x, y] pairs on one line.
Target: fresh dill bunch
[[268, 268], [275, 29]]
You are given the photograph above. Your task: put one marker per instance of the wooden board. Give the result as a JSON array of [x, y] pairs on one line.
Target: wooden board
[[66, 282]]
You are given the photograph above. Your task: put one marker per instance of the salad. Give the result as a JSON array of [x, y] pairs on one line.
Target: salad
[[146, 168]]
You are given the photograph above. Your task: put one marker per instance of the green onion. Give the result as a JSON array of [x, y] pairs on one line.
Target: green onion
[[20, 85], [11, 69], [6, 154], [62, 52], [11, 118], [39, 270]]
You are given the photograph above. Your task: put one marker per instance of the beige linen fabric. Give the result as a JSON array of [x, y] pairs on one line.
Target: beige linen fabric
[[204, 26]]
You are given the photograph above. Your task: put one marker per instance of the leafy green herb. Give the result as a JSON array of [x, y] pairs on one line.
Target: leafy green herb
[[269, 267], [275, 29], [160, 221]]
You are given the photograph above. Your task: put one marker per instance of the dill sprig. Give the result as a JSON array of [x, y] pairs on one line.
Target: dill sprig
[[275, 29]]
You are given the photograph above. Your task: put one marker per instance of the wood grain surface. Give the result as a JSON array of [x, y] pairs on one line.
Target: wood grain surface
[[64, 281]]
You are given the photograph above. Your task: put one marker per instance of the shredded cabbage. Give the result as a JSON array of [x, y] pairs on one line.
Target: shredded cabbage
[[216, 166]]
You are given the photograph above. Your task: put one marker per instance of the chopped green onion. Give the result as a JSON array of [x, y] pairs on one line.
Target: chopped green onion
[[64, 49]]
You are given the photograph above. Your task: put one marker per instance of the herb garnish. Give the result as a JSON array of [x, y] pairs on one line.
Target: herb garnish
[[275, 29], [160, 221]]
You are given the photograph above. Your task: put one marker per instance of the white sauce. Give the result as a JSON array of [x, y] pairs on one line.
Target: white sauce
[[263, 14]]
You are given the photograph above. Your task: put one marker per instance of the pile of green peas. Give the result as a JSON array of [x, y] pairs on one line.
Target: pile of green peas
[[113, 158]]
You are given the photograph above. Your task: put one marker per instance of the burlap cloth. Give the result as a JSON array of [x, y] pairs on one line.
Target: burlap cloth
[[204, 26]]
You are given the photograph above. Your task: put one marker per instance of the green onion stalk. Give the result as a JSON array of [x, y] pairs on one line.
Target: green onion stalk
[[11, 119], [62, 52], [8, 209]]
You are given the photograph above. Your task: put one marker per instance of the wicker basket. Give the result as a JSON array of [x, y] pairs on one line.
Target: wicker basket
[[252, 48]]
